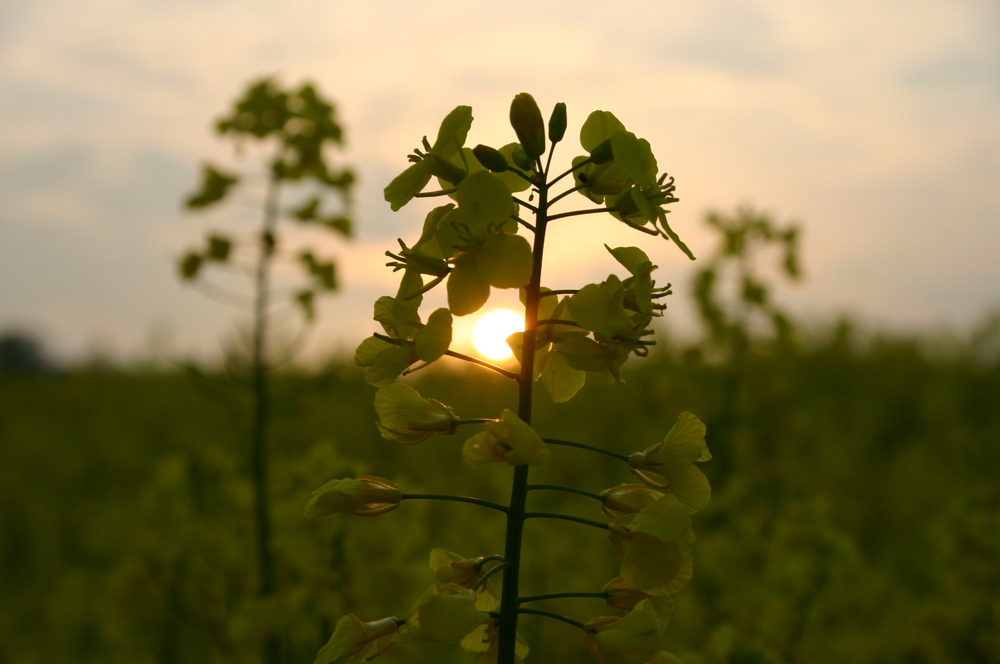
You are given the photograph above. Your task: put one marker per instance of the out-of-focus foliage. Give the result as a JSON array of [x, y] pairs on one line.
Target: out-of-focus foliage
[[297, 127], [859, 519]]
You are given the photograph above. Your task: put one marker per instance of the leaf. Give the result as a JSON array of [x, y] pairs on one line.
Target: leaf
[[215, 184], [467, 290], [561, 381], [433, 339], [599, 126], [505, 261], [407, 184], [307, 300], [388, 365], [634, 157], [189, 265]]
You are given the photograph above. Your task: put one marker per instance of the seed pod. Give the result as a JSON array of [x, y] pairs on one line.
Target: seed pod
[[602, 153], [490, 158], [557, 123], [527, 122]]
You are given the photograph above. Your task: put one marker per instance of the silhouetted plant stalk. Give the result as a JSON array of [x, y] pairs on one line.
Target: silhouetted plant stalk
[[472, 245], [301, 124]]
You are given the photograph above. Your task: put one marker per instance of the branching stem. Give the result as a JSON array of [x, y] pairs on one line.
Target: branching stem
[[553, 441], [457, 499], [568, 489], [485, 577], [549, 614], [460, 356], [538, 598], [565, 517]]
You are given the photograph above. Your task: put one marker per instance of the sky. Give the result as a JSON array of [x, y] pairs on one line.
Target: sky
[[874, 125]]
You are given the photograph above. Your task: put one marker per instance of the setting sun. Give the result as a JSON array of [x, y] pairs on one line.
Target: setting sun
[[489, 335]]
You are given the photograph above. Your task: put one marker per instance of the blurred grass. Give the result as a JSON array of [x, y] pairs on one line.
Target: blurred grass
[[855, 516]]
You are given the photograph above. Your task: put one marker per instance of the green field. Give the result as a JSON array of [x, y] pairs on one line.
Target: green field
[[855, 516]]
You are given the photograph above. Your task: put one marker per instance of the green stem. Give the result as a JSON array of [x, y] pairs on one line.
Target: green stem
[[553, 441], [432, 194], [567, 291], [525, 224], [474, 420], [457, 499], [460, 356], [538, 598], [485, 577], [526, 204], [558, 321], [565, 517], [576, 213], [568, 489], [567, 193], [580, 165], [478, 566], [549, 614]]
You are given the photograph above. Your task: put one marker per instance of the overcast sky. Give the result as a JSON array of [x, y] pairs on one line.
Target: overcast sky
[[876, 125]]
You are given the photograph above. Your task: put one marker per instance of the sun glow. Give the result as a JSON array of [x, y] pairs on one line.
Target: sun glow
[[489, 334]]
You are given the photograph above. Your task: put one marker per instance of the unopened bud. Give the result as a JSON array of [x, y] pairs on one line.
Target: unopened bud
[[557, 123], [490, 158], [527, 122]]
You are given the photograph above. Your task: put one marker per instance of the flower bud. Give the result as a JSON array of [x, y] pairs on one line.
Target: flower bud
[[490, 158], [628, 499], [365, 495], [527, 122], [557, 123]]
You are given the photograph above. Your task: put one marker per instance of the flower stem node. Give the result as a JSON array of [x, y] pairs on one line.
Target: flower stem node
[[509, 440], [365, 495], [354, 641], [668, 465], [406, 417]]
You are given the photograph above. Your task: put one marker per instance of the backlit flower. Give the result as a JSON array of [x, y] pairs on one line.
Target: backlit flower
[[633, 639], [445, 614], [509, 440], [365, 495], [668, 465], [406, 417], [656, 544], [354, 641]]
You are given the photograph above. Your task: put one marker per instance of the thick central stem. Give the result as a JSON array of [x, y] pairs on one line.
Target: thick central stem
[[519, 491]]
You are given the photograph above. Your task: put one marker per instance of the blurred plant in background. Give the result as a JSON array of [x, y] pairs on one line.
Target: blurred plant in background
[[296, 127]]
